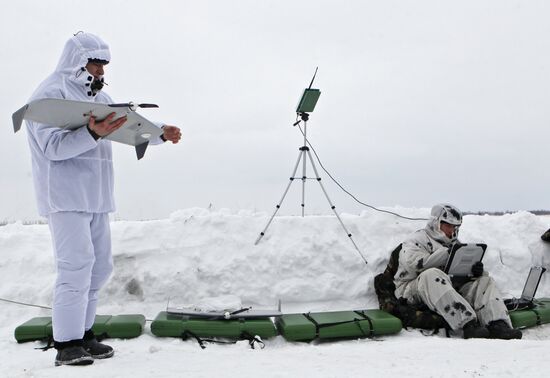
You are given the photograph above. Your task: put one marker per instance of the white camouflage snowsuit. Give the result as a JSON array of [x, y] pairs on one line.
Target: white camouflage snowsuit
[[73, 180], [420, 279]]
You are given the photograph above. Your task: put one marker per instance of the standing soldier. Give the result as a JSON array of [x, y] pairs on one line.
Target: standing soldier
[[73, 180]]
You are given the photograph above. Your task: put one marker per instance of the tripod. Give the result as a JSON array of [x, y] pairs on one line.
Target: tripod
[[303, 155]]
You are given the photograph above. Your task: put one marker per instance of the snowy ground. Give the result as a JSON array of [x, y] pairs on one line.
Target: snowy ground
[[308, 263]]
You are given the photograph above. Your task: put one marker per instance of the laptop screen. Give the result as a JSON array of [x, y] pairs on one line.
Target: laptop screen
[[532, 283], [462, 257]]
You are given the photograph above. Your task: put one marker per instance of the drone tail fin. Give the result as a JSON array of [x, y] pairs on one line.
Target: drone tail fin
[[140, 150], [17, 118]]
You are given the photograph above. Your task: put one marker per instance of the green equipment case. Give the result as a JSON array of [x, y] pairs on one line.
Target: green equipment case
[[296, 327], [382, 322], [119, 326], [174, 325], [539, 314], [105, 326], [523, 318], [308, 101], [337, 325], [542, 309], [34, 329]]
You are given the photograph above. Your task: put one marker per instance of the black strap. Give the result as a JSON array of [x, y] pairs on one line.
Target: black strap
[[317, 325], [534, 308], [355, 320], [185, 335], [49, 345], [252, 339], [371, 326]]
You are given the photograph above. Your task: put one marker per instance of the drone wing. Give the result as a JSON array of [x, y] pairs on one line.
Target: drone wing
[[245, 313], [68, 114]]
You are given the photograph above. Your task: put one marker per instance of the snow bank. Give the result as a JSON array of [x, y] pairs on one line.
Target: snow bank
[[198, 253]]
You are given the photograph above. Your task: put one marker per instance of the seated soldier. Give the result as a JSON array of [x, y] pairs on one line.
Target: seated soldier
[[475, 306]]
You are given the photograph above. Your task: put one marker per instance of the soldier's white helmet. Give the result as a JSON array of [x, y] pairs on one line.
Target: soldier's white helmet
[[444, 213], [447, 213]]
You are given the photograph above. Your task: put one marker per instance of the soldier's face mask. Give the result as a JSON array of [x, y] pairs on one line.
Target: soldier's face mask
[[95, 68], [450, 230], [96, 85]]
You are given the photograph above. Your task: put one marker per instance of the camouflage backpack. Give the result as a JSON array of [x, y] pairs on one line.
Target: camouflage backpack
[[416, 316]]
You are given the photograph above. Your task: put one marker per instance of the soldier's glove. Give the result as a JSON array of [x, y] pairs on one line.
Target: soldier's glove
[[477, 269]]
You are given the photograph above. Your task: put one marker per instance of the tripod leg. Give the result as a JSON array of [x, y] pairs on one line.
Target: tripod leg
[[278, 206], [333, 208], [304, 177]]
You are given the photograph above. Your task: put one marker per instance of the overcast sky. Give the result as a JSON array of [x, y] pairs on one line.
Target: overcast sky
[[422, 101]]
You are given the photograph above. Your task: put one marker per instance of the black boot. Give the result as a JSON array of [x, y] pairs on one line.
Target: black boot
[[71, 353], [499, 329], [95, 348], [473, 330]]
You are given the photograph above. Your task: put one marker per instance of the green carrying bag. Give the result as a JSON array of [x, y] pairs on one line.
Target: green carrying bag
[[337, 325], [542, 309], [105, 326], [340, 324], [119, 326], [539, 314], [173, 325], [34, 329], [296, 327], [382, 322], [523, 318]]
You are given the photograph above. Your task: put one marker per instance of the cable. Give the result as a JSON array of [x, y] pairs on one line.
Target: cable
[[25, 304], [46, 307], [348, 193]]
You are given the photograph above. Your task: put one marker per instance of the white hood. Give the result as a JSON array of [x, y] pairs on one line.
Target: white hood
[[70, 80], [78, 50]]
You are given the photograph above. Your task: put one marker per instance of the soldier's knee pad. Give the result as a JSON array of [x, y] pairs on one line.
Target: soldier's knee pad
[[433, 276]]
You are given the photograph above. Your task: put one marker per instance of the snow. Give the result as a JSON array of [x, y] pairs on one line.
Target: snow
[[208, 257]]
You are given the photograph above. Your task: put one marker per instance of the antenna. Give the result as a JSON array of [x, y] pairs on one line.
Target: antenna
[[313, 78]]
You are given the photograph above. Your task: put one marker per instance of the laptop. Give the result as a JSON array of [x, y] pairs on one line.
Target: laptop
[[529, 290], [462, 257]]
